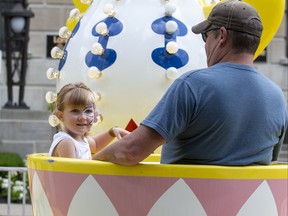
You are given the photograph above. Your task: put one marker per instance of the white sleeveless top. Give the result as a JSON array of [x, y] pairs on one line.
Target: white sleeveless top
[[82, 149]]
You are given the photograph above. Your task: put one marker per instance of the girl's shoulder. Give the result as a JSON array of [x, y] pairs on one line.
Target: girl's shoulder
[[89, 140], [62, 135]]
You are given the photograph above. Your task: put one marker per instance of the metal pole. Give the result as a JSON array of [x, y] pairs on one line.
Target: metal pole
[[9, 62], [24, 193], [22, 81], [9, 193]]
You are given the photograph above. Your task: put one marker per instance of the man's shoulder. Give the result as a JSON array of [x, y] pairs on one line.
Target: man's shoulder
[[203, 71], [194, 73]]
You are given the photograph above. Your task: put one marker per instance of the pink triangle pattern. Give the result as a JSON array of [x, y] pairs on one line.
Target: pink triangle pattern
[[60, 188], [279, 188], [129, 189], [30, 178], [234, 193]]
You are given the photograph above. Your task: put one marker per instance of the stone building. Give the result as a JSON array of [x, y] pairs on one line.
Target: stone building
[[23, 130]]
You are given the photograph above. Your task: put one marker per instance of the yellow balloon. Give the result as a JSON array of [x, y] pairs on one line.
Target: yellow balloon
[[271, 13], [71, 23], [80, 6]]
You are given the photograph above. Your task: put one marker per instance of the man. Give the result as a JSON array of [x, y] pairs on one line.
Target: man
[[226, 114]]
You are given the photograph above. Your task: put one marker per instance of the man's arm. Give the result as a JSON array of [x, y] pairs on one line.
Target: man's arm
[[133, 148]]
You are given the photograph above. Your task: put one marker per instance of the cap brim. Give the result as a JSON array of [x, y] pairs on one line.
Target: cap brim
[[201, 27]]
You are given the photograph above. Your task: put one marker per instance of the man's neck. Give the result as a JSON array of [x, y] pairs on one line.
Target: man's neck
[[241, 58]]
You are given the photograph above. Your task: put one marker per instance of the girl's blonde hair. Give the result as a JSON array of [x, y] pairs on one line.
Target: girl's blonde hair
[[76, 94]]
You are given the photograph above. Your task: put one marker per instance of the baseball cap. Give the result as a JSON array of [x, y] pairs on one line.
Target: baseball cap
[[234, 15]]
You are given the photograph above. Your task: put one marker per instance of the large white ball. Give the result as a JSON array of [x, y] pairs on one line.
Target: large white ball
[[134, 63]]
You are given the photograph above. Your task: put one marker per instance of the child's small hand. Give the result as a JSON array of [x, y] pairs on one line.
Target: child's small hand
[[119, 132]]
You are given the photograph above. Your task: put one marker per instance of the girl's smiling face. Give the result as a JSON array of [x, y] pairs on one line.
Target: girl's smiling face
[[75, 108], [78, 120]]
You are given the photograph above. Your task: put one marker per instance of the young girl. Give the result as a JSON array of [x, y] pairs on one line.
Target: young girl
[[75, 108]]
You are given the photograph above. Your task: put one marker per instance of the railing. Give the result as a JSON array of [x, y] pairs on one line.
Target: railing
[[23, 170]]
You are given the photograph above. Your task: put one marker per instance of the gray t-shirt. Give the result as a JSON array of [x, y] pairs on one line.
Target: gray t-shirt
[[228, 114]]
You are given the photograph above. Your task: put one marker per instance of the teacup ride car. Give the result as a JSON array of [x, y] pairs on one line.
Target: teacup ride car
[[62, 186]]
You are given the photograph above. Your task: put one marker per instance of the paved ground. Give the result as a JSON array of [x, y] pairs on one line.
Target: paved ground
[[15, 210]]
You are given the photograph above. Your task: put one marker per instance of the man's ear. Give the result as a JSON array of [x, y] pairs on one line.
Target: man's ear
[[223, 33]]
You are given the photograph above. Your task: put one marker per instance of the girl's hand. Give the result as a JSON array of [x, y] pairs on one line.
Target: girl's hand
[[118, 132]]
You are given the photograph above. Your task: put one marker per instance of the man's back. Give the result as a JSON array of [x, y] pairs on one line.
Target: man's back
[[227, 114], [234, 116]]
